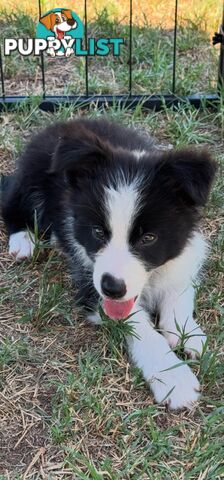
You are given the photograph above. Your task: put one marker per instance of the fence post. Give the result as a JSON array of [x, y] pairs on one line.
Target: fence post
[[221, 57], [86, 46], [2, 74], [175, 48], [130, 46], [42, 57]]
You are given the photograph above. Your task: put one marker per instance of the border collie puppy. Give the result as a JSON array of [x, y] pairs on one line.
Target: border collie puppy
[[126, 216]]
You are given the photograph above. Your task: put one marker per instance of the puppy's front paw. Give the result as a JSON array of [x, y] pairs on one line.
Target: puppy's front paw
[[51, 52], [21, 245], [177, 387], [69, 52], [94, 318]]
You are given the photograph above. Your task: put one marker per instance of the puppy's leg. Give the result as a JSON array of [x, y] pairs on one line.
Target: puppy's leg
[[21, 244], [51, 52], [94, 318], [170, 381], [86, 297], [17, 216], [69, 51], [177, 323]]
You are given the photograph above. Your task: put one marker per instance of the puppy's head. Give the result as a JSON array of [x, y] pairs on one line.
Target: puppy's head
[[59, 22], [130, 216]]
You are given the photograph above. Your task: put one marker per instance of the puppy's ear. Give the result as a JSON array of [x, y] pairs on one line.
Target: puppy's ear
[[188, 173], [80, 156], [47, 21], [67, 13]]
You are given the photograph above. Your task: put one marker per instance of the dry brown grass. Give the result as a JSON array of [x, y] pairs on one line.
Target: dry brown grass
[[66, 398], [106, 416], [157, 13]]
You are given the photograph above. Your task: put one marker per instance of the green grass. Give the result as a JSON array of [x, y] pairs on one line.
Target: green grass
[[68, 386], [152, 58], [92, 407]]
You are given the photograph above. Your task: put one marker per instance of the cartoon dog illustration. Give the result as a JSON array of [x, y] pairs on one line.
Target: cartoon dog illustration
[[59, 23]]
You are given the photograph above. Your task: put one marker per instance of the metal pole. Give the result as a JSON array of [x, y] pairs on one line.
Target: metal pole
[[221, 57], [86, 45], [175, 48], [42, 58], [2, 75], [130, 47]]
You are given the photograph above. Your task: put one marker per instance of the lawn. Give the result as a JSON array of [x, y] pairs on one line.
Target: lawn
[[71, 404], [152, 49]]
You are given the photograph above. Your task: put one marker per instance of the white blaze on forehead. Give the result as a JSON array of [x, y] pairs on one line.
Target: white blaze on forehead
[[122, 204], [115, 258], [59, 15]]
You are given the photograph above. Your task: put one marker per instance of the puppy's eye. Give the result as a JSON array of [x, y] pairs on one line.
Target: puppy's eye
[[148, 238], [63, 18], [57, 20], [98, 233]]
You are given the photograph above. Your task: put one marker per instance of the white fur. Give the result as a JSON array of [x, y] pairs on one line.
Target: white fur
[[139, 153], [53, 241], [176, 321], [21, 245], [69, 51], [170, 289], [116, 258], [63, 25], [171, 381], [94, 318]]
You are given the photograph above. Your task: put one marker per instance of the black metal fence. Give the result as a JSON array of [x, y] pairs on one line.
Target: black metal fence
[[155, 101]]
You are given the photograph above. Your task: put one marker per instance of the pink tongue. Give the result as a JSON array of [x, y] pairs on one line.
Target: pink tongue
[[118, 310], [60, 34]]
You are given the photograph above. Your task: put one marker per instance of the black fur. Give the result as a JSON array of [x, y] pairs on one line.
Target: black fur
[[61, 176]]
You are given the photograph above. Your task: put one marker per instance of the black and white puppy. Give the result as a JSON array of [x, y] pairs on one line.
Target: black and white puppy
[[126, 216]]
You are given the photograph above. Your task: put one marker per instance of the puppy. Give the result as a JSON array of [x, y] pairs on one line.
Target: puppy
[[59, 23], [126, 215]]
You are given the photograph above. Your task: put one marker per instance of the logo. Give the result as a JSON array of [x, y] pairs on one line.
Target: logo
[[60, 28], [60, 32]]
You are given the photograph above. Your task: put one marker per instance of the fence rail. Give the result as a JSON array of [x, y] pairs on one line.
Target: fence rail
[[50, 102]]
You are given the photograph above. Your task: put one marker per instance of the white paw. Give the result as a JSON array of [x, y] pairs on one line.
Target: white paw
[[51, 52], [69, 52], [178, 387], [192, 336], [53, 240], [94, 318], [21, 245]]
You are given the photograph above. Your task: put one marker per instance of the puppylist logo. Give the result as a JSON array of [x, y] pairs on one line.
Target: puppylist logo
[[60, 33]]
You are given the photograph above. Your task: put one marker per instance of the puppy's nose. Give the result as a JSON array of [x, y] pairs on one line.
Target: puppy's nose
[[112, 287], [70, 22]]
